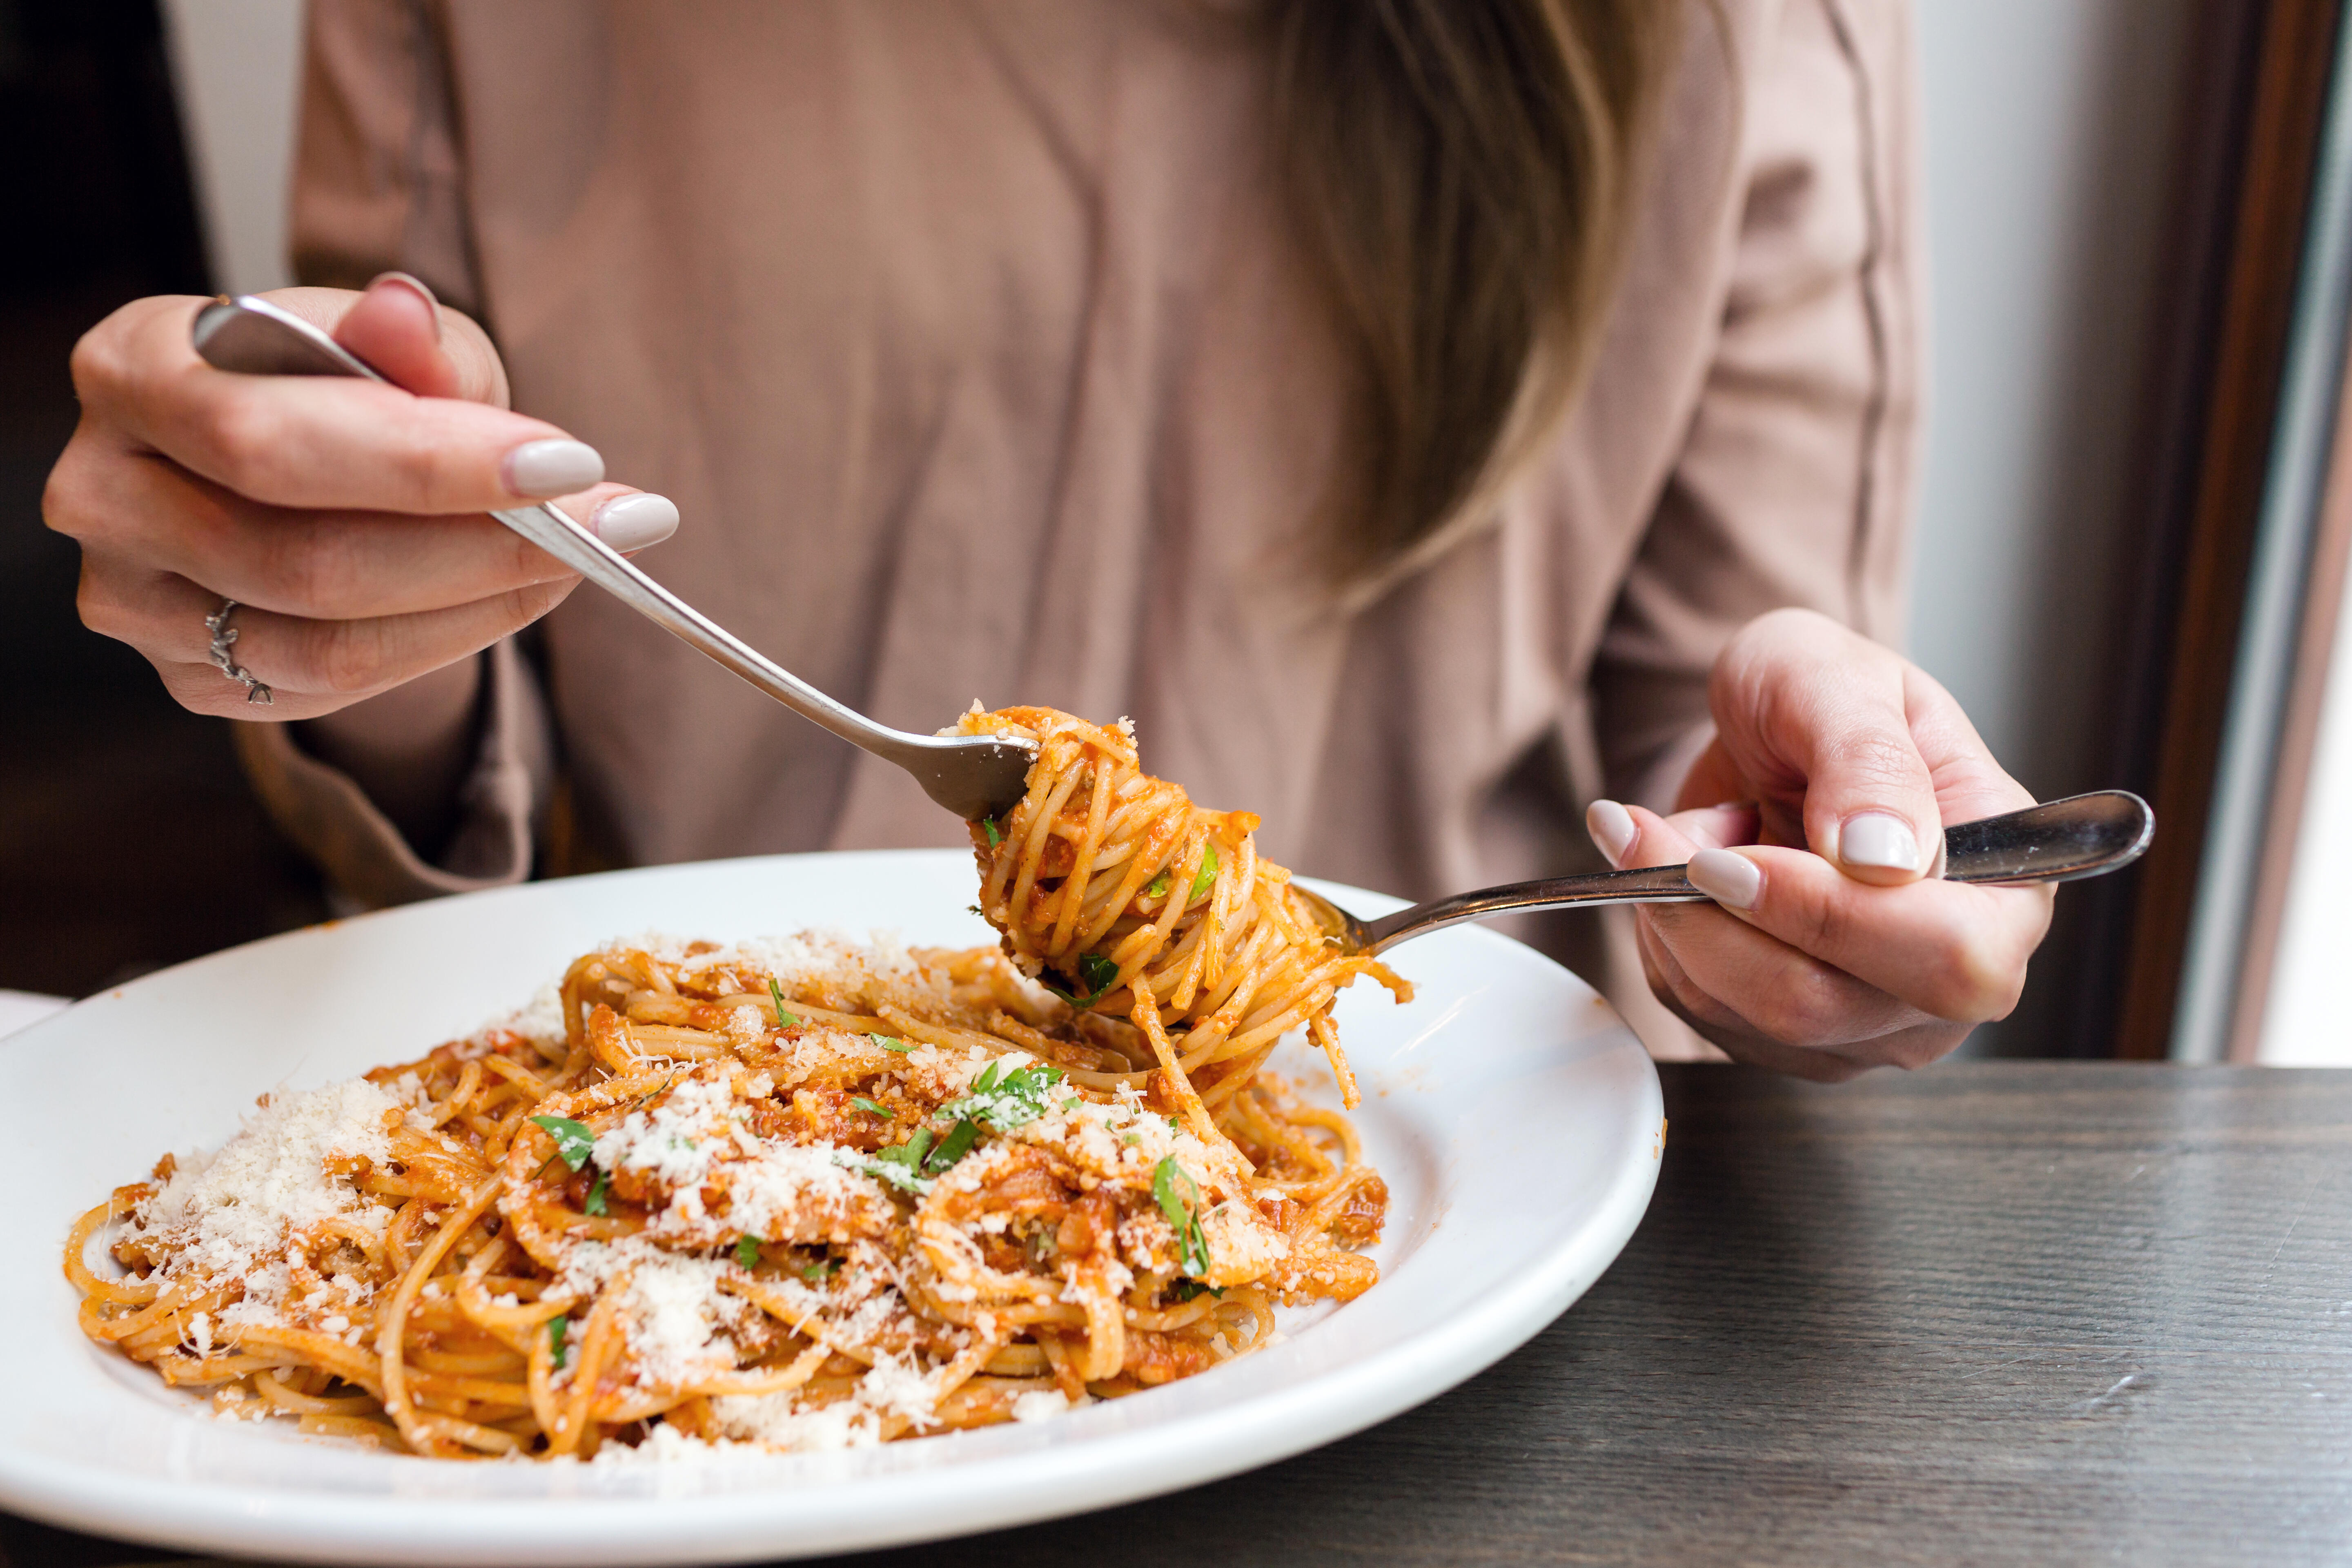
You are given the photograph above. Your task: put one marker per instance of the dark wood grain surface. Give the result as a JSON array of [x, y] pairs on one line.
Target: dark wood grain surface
[[1997, 1312]]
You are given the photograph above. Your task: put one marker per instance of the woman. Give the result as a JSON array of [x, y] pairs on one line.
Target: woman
[[1427, 419]]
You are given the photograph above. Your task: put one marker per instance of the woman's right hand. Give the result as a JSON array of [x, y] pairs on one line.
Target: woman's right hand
[[345, 518]]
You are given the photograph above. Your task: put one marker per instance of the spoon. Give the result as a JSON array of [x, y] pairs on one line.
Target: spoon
[[2081, 836], [974, 776]]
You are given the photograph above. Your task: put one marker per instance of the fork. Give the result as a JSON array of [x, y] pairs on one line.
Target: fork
[[2058, 841], [974, 776]]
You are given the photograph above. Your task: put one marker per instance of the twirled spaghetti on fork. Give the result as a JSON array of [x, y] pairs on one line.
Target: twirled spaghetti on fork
[[795, 1193]]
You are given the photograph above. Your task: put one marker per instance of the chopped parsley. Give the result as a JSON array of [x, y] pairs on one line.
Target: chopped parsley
[[573, 1142], [1180, 1202], [873, 1107], [1202, 879], [902, 1164], [747, 1251], [1093, 970], [558, 1327], [1005, 1100], [954, 1147], [888, 1044], [817, 1273], [784, 1020], [596, 1200]]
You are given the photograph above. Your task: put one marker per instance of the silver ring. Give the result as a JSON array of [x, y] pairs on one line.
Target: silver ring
[[223, 639]]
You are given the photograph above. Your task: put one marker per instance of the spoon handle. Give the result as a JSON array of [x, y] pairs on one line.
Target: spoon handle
[[2059, 841]]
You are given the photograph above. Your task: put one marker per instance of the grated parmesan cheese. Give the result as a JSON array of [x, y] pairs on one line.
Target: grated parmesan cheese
[[221, 1213]]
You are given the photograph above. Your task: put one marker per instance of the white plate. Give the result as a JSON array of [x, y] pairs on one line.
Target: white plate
[[1516, 1120]]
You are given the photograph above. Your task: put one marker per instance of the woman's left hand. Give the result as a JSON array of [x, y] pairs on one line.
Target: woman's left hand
[[1830, 946]]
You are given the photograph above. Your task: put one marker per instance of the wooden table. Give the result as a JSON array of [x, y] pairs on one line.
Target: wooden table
[[2048, 1313]]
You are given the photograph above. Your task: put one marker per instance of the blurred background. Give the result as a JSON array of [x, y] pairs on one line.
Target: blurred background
[[2134, 528]]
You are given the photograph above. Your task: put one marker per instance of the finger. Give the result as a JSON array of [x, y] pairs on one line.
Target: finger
[[328, 565], [1617, 835], [334, 662], [1970, 783], [1774, 990], [403, 334], [394, 326], [1951, 950], [316, 441], [1831, 707], [1913, 1046]]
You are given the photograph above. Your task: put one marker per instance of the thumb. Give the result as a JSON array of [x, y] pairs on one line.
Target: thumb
[[396, 326], [404, 335], [1870, 797]]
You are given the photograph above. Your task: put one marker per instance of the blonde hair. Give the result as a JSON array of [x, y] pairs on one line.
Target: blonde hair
[[1463, 172]]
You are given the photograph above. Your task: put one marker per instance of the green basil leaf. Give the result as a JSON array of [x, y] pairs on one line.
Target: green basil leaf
[[888, 1044], [596, 1200], [558, 1327], [573, 1142], [873, 1107], [747, 1251], [1006, 1101], [954, 1147], [784, 1020], [994, 838], [1207, 876], [1178, 1196]]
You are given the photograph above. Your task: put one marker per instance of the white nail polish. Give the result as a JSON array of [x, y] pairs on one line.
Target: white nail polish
[[1875, 838], [1611, 827], [631, 522], [1731, 881], [543, 470]]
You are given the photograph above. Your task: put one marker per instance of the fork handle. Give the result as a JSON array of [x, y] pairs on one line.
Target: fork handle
[[2057, 841], [257, 338]]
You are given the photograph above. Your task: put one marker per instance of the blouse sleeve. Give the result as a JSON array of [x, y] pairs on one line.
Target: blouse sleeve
[[1794, 486], [377, 187]]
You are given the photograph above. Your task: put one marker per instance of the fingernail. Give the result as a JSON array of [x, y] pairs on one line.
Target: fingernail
[[1875, 838], [1731, 881], [541, 469], [631, 522], [417, 286], [1611, 827]]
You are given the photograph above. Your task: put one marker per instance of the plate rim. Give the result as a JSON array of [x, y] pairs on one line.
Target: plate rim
[[266, 1522]]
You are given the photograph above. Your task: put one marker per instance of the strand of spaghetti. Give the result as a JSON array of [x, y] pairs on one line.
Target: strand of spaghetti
[[78, 1245], [765, 1380], [570, 1423], [1172, 1074], [392, 1327], [469, 1082], [1071, 902]]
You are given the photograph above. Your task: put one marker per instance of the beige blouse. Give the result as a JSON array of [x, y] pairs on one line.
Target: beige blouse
[[968, 339]]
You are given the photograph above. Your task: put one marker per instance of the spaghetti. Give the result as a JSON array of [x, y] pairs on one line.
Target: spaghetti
[[1113, 887], [797, 1194]]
